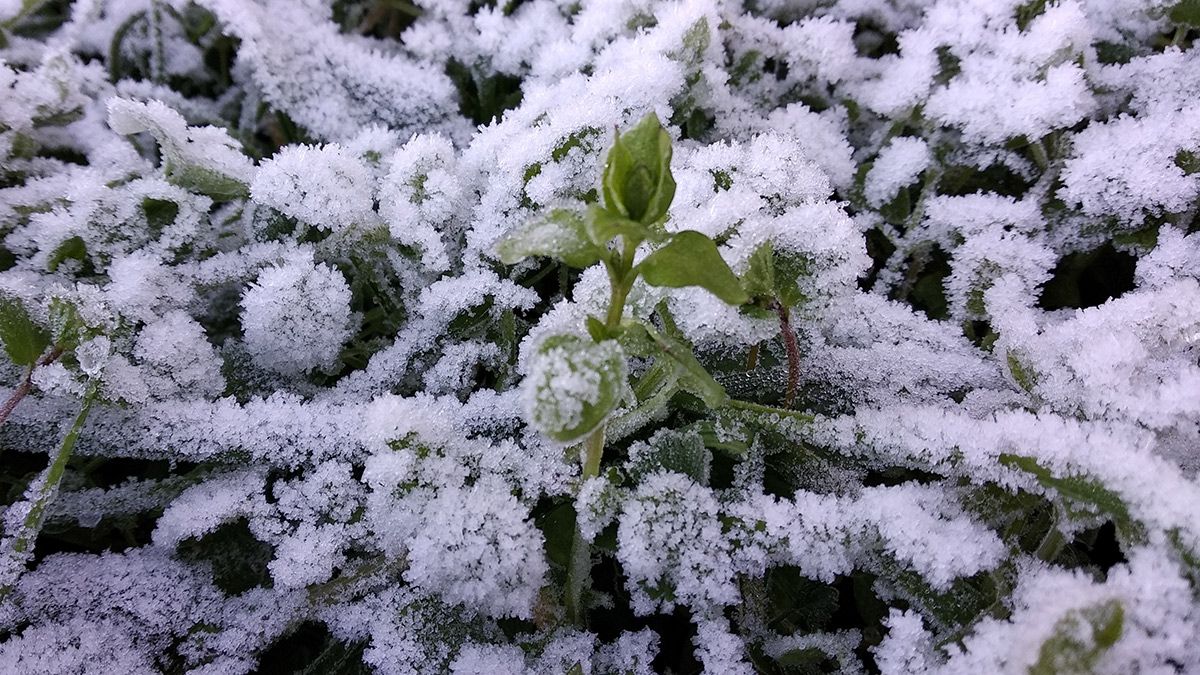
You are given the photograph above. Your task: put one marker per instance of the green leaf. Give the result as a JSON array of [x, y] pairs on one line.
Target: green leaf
[[1187, 160], [637, 181], [23, 339], [1077, 489], [1071, 650], [1186, 13], [558, 527], [788, 270], [73, 249], [201, 159], [561, 235], [1024, 376], [693, 376], [759, 277], [602, 225], [573, 385], [207, 181], [67, 328], [679, 451], [773, 275], [636, 339], [597, 329], [692, 259]]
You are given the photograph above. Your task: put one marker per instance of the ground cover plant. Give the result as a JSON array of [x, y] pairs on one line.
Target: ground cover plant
[[618, 336]]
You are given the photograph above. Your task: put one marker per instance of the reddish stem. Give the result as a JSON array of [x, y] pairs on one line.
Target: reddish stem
[[793, 353], [26, 384]]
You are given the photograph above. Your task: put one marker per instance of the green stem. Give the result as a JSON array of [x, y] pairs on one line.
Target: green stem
[[752, 358], [651, 380], [739, 404], [621, 276], [579, 571], [49, 488], [616, 306], [593, 451], [1039, 155], [1051, 545]]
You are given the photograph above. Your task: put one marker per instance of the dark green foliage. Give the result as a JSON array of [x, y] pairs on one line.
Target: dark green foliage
[[483, 98], [24, 340], [238, 560]]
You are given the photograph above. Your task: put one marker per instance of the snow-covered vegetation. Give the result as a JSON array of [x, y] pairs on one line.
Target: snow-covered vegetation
[[600, 336]]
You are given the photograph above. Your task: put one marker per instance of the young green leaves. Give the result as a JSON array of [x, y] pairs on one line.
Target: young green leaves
[[637, 182], [637, 188], [771, 276], [574, 384]]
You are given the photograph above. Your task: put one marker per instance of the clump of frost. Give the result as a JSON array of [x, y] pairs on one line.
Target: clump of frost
[[326, 186], [672, 548], [898, 165], [296, 317], [179, 359], [476, 546]]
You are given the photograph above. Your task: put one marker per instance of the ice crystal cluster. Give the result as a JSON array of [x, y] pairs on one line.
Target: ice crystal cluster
[[281, 404]]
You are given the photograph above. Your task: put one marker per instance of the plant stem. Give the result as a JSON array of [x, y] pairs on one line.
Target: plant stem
[[579, 570], [793, 353], [768, 410], [32, 524], [26, 384], [1039, 155], [752, 358], [616, 306]]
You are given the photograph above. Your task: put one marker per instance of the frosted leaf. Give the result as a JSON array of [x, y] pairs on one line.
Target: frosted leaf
[[476, 546], [898, 165], [597, 504], [179, 359], [143, 288], [74, 646], [907, 646], [1126, 167], [572, 385], [671, 546], [720, 650], [822, 137], [325, 186], [203, 158], [631, 653], [327, 82], [420, 195], [984, 258], [1154, 631], [203, 508], [309, 555], [486, 659], [296, 317]]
